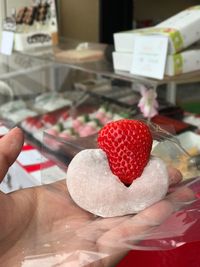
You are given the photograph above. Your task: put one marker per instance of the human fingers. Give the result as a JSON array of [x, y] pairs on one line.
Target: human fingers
[[181, 196], [122, 238], [10, 147], [131, 232], [135, 228], [175, 175]]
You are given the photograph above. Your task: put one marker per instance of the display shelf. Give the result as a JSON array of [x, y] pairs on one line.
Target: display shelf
[[17, 64], [40, 70], [41, 73], [22, 77], [104, 67]]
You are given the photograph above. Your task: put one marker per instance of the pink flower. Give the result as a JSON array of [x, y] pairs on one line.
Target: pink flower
[[148, 104]]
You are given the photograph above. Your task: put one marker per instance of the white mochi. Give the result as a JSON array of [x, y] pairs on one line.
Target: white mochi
[[96, 189]]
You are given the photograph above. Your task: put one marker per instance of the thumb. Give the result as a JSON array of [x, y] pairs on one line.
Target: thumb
[[10, 147]]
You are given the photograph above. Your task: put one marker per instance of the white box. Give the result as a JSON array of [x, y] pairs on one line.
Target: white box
[[122, 61], [182, 30], [179, 63], [124, 41], [184, 62]]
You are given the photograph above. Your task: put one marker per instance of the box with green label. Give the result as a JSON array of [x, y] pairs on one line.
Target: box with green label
[[179, 63], [182, 30]]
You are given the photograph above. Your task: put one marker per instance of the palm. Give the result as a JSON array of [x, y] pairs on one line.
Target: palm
[[44, 222], [43, 227]]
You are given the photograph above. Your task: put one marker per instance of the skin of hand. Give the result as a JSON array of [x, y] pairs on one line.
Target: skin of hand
[[44, 222]]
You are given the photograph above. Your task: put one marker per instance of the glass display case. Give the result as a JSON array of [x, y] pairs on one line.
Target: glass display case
[[61, 96], [42, 95], [37, 86], [104, 66], [67, 76]]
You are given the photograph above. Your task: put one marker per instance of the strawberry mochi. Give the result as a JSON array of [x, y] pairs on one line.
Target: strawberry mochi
[[120, 177], [127, 144]]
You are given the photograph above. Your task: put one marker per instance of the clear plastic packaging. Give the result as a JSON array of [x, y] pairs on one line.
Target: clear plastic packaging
[[79, 238]]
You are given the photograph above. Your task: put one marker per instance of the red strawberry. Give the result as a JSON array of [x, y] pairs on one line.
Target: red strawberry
[[127, 144]]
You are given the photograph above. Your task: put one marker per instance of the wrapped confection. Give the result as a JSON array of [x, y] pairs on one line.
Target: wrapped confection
[[120, 177]]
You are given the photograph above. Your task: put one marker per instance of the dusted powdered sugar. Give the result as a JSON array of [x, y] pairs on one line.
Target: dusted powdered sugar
[[94, 188]]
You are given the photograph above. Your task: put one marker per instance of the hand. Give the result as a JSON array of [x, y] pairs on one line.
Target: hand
[[44, 222]]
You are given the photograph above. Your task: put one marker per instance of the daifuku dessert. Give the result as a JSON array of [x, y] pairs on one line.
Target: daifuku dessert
[[120, 177]]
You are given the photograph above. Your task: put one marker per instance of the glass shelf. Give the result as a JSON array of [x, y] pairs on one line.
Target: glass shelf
[[104, 66], [16, 64]]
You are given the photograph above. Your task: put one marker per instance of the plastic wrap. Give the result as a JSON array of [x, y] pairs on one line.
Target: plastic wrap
[[70, 236]]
